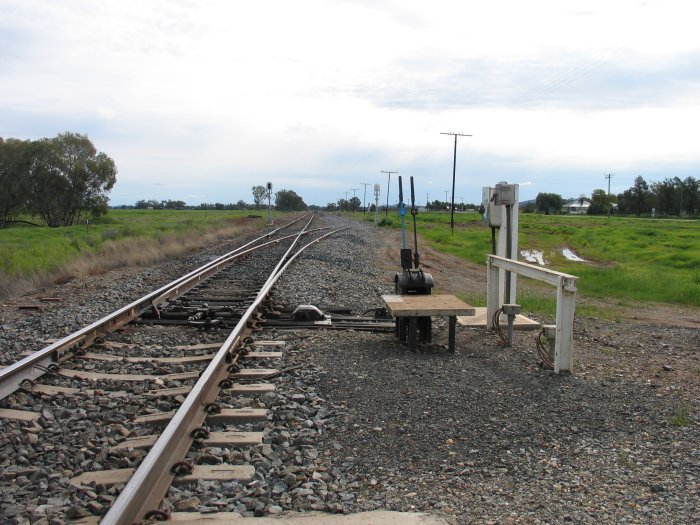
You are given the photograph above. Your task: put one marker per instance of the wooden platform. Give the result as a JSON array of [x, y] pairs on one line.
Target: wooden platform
[[478, 320], [414, 307], [426, 306]]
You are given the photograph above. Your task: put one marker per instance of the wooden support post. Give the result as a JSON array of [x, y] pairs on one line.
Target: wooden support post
[[564, 343], [566, 303], [452, 334], [412, 335]]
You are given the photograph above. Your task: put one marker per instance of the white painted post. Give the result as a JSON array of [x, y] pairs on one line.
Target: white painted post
[[566, 303], [501, 249], [564, 344], [494, 299]]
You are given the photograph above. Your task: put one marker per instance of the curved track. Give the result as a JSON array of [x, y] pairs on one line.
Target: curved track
[[245, 276]]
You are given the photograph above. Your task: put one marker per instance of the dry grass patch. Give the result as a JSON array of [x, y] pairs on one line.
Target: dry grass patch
[[130, 251]]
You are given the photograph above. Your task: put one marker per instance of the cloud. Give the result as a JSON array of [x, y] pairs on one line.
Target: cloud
[[213, 97], [609, 79]]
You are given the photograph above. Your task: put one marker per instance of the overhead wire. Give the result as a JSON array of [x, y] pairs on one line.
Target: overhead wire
[[566, 76]]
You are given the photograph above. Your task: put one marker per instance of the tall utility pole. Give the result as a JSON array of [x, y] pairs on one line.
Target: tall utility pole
[[454, 167], [364, 199], [609, 176], [388, 185], [427, 201]]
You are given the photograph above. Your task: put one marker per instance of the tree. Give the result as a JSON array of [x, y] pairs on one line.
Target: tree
[[666, 195], [69, 178], [438, 205], [49, 190], [172, 205], [640, 195], [548, 203], [288, 200], [600, 203], [259, 196], [15, 161], [354, 203], [636, 199], [524, 207], [690, 195], [148, 205]]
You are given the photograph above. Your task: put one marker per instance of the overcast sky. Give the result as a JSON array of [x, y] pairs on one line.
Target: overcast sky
[[199, 100]]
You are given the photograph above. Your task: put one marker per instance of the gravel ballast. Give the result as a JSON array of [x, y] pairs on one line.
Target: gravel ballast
[[484, 435]]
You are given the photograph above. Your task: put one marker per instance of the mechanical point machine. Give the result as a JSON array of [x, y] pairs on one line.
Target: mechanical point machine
[[412, 280]]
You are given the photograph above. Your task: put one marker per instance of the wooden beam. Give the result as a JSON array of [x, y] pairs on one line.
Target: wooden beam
[[108, 478], [19, 415], [426, 305], [215, 439], [535, 272], [226, 416]]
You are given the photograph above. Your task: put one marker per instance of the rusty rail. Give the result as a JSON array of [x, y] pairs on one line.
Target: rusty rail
[[149, 484]]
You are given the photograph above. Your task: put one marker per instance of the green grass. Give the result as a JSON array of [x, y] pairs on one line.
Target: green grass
[[28, 250], [629, 259], [681, 417]]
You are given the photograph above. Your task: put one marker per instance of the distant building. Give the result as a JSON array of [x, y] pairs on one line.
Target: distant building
[[577, 207]]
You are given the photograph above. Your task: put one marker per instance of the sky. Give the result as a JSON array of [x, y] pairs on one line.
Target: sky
[[199, 100]]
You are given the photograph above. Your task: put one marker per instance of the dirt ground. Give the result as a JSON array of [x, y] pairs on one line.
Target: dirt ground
[[657, 343]]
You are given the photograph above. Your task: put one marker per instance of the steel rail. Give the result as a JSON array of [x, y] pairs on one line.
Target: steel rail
[[36, 364], [205, 273], [150, 482]]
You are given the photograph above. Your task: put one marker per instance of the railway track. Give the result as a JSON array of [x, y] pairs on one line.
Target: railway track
[[178, 374]]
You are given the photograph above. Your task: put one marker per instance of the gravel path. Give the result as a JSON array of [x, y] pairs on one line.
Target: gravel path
[[486, 435], [480, 436]]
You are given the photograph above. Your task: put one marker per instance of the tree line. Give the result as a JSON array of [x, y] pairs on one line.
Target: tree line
[[285, 200], [61, 179], [670, 197]]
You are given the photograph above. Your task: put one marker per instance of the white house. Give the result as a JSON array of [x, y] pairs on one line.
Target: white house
[[577, 206]]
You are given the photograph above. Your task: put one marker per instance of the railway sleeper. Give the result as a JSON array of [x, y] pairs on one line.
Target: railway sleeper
[[107, 478], [226, 416], [215, 439], [250, 389]]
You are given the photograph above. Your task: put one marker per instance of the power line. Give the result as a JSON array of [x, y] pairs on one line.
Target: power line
[[565, 76], [388, 184], [609, 176], [364, 199], [454, 167]]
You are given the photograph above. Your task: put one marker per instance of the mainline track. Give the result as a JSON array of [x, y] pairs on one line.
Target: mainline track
[[145, 489], [150, 482]]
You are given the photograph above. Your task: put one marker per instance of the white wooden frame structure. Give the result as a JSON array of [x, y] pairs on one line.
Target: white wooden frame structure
[[566, 302]]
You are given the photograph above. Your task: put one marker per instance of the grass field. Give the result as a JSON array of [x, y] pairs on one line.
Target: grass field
[[34, 254], [626, 258]]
